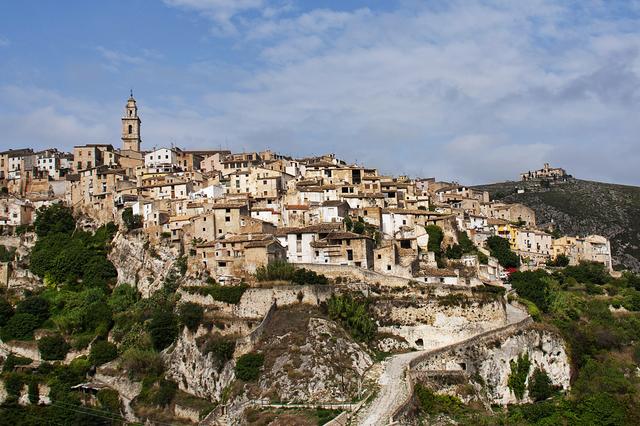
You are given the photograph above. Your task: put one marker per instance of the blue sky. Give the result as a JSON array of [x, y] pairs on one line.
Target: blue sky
[[470, 90]]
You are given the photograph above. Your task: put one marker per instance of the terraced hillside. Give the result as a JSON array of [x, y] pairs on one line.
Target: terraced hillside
[[583, 207]]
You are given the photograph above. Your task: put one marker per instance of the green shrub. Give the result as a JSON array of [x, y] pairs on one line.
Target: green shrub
[[102, 352], [72, 259], [6, 311], [131, 221], [164, 394], [7, 255], [518, 376], [435, 238], [588, 272], [222, 348], [432, 403], [227, 294], [353, 314], [536, 286], [284, 271], [109, 400], [190, 315], [53, 347], [123, 297], [248, 366], [140, 363], [20, 326], [13, 360]]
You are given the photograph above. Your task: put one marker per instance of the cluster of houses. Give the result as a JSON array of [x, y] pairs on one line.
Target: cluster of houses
[[234, 212]]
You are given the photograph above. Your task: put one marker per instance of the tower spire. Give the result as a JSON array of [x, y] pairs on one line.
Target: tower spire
[[131, 126]]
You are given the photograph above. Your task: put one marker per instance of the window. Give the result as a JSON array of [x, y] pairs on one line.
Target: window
[[227, 219], [388, 267], [130, 129], [349, 254]]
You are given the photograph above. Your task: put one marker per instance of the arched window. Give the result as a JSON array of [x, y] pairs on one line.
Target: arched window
[[130, 129], [130, 112]]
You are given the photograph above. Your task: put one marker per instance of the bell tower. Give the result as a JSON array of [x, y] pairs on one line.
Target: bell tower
[[131, 126]]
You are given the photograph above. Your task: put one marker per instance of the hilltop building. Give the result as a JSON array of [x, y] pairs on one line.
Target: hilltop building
[[545, 173]]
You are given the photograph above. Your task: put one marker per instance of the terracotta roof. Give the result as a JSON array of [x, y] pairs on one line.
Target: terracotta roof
[[333, 203], [311, 229], [344, 235], [296, 207]]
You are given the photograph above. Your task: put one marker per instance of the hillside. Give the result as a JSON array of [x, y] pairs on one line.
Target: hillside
[[580, 207]]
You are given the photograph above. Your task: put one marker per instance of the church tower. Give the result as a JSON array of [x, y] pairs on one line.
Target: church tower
[[131, 126]]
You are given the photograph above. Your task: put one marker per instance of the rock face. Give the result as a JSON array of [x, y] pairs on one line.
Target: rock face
[[198, 374], [427, 323], [487, 365], [139, 265], [309, 359]]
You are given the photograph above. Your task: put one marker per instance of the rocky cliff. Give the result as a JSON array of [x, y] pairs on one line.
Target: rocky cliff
[[139, 264]]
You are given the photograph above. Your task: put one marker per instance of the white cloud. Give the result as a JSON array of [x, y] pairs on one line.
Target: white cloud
[[473, 90], [221, 12]]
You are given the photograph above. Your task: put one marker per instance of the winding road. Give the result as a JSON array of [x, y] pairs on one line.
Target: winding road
[[395, 388]]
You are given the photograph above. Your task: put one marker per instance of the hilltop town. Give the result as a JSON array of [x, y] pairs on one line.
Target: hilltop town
[[215, 287], [234, 212]]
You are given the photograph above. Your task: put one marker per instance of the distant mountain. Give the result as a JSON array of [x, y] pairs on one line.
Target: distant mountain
[[580, 207]]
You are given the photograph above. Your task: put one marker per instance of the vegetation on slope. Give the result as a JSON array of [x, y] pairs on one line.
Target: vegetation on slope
[[583, 303], [78, 307]]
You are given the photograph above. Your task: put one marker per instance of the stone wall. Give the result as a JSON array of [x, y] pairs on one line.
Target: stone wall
[[256, 302]]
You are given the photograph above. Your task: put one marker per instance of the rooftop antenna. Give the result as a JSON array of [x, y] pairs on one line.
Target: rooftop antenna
[[131, 92]]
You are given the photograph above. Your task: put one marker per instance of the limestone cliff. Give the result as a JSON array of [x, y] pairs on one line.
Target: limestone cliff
[[197, 373], [486, 365], [139, 264], [309, 359]]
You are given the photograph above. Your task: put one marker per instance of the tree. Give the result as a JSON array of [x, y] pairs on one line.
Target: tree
[[354, 315], [348, 223], [123, 297], [518, 376], [163, 328], [248, 366], [190, 315], [435, 238], [36, 306], [20, 326], [54, 219], [500, 249], [131, 221], [358, 227], [102, 352], [53, 347], [540, 386]]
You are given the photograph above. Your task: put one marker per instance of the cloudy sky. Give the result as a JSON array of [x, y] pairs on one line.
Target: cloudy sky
[[470, 90]]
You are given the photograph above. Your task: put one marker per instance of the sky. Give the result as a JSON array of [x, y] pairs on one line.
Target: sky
[[473, 91]]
